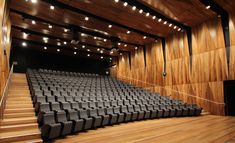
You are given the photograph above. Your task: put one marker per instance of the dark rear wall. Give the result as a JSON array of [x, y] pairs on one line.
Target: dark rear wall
[[27, 58]]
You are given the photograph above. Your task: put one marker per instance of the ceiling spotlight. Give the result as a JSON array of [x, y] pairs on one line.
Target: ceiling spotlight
[[95, 37], [75, 48], [25, 35], [86, 18], [120, 54], [111, 52], [154, 17], [159, 20], [175, 27], [65, 42], [116, 1], [179, 29], [34, 1], [74, 53], [45, 48], [88, 55], [52, 7], [170, 25], [125, 45], [101, 51], [33, 22], [44, 38], [141, 11], [110, 26], [147, 14], [65, 30], [136, 48], [58, 50], [119, 44], [98, 49], [125, 4], [110, 58], [208, 7], [105, 40], [134, 8], [101, 57], [82, 34], [128, 32], [144, 37], [165, 22], [83, 46], [24, 44], [50, 26], [88, 50], [58, 43]]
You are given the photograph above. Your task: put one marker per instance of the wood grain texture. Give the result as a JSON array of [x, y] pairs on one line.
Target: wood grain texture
[[203, 129], [203, 84], [232, 48]]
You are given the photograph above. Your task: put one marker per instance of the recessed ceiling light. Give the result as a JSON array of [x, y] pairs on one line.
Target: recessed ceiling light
[[50, 26], [116, 1], [141, 11], [128, 32], [75, 48], [105, 40], [65, 30], [24, 44], [120, 54], [119, 44], [58, 50], [111, 52], [101, 57], [175, 27], [125, 45], [170, 25], [33, 22], [154, 17], [165, 22], [86, 18], [136, 48], [65, 42], [25, 35], [208, 7], [134, 8], [125, 3], [95, 37], [52, 7], [88, 55], [110, 58], [159, 20], [45, 48], [34, 1], [58, 43], [88, 50], [179, 29], [101, 51], [44, 38], [147, 14], [82, 34], [98, 49], [110, 26], [144, 37], [83, 46], [74, 53]]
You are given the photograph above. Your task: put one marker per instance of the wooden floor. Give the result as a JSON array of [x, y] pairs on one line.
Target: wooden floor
[[19, 123], [203, 129]]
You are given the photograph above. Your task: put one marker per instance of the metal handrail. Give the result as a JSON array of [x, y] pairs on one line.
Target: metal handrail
[[5, 93]]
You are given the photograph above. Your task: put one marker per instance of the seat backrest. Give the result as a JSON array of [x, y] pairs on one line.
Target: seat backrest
[[69, 98], [60, 98], [55, 106], [93, 113], [116, 110], [45, 107], [73, 115], [109, 111], [61, 116], [48, 118], [130, 108], [66, 106], [101, 111], [83, 114], [50, 98]]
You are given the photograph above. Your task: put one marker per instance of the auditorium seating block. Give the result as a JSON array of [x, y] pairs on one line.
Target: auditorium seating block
[[69, 102]]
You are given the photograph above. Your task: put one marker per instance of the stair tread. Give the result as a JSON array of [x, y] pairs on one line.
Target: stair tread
[[20, 125], [19, 133], [30, 141], [18, 119]]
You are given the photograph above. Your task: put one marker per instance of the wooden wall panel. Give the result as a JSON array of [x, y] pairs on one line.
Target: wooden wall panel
[[232, 48]]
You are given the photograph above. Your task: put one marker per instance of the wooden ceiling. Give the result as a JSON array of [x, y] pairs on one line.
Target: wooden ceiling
[[101, 24]]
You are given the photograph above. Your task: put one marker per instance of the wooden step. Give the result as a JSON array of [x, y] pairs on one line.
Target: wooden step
[[21, 110], [15, 115], [19, 102], [12, 128], [20, 136], [19, 95], [17, 106], [14, 121], [18, 98], [30, 141]]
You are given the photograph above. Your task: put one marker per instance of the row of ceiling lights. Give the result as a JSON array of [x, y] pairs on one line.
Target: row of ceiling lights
[[24, 44], [147, 14]]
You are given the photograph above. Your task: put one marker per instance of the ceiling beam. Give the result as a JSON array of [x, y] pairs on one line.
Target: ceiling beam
[[153, 12], [79, 11], [69, 26], [59, 47]]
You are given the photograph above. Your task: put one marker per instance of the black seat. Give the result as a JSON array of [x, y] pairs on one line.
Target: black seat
[[126, 113], [88, 121], [147, 113], [97, 119], [112, 115], [77, 123], [66, 126], [121, 116], [105, 118], [134, 114], [140, 112]]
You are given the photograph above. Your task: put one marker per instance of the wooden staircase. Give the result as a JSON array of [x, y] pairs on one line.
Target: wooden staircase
[[19, 123]]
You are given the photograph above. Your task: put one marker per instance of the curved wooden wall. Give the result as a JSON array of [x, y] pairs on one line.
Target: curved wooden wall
[[203, 84]]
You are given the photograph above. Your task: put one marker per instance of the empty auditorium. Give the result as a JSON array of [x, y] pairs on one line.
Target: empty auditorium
[[117, 71]]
